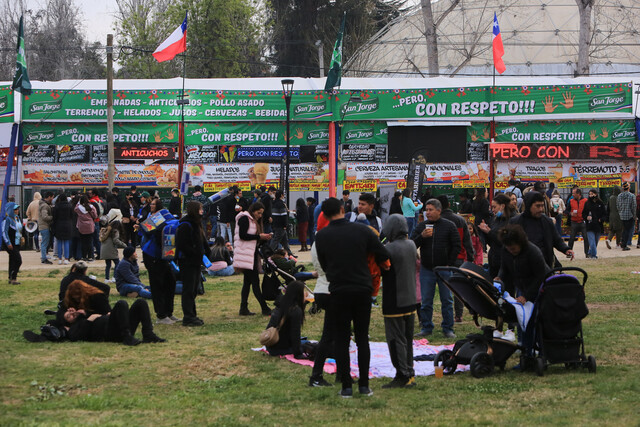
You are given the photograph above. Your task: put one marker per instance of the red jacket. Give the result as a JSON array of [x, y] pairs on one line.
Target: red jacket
[[576, 209]]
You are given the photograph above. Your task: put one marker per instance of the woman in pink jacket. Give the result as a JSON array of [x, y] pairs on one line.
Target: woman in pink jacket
[[248, 234], [85, 224]]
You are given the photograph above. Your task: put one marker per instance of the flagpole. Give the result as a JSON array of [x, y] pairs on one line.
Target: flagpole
[[182, 101], [492, 137]]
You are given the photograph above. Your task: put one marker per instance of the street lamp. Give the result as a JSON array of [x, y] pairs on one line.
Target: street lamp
[[287, 88]]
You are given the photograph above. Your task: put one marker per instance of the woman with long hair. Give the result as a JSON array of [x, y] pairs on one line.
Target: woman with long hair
[[191, 246], [502, 212], [89, 317], [289, 312], [86, 225], [221, 262], [594, 214], [302, 218], [110, 242], [248, 235]]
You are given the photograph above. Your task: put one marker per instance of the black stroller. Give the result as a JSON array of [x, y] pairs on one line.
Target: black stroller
[[472, 285], [275, 279], [560, 308]]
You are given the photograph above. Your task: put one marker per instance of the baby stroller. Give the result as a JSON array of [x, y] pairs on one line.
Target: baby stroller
[[275, 279], [560, 308], [471, 284]]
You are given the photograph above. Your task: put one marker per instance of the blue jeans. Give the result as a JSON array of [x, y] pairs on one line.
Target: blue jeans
[[227, 271], [594, 238], [428, 281], [96, 240], [225, 232], [559, 223], [63, 249], [44, 245], [411, 224], [141, 290], [214, 226]]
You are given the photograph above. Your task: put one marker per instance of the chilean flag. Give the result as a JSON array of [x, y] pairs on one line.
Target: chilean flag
[[498, 49], [175, 44]]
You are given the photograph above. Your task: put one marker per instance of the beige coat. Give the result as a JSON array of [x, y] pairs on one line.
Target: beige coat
[[32, 210]]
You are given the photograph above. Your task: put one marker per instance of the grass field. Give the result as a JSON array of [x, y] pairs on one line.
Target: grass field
[[209, 375]]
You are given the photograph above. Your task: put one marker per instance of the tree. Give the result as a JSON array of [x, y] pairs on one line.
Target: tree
[[222, 37], [585, 8], [297, 26], [430, 28]]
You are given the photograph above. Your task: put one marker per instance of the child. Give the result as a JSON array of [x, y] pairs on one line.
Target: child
[[399, 300], [288, 264], [477, 244], [110, 239]]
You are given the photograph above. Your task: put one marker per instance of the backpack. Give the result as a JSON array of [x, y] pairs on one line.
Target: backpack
[[104, 233], [169, 239]]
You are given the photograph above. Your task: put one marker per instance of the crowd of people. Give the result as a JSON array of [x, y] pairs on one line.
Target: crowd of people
[[352, 250]]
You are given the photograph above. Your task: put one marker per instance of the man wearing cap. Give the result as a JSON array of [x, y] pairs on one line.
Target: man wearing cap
[[143, 212], [127, 276], [626, 204]]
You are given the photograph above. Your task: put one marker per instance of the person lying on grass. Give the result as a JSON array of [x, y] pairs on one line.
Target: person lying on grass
[[87, 315]]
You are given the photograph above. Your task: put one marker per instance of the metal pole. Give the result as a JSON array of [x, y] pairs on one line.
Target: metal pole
[[286, 156], [111, 165], [320, 57]]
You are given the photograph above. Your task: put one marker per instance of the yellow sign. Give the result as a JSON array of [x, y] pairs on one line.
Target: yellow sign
[[365, 185], [592, 183], [501, 185], [309, 185], [214, 187], [401, 185], [566, 180], [604, 183]]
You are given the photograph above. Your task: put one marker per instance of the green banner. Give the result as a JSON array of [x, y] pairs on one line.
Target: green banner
[[366, 132], [96, 133], [6, 104], [269, 106], [302, 133], [487, 101], [553, 132]]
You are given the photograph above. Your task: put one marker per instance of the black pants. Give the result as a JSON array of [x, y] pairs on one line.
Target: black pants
[[252, 280], [123, 321], [326, 346], [190, 274], [86, 242], [107, 267], [399, 334], [131, 236], [356, 308], [580, 227], [15, 261], [627, 230], [162, 283]]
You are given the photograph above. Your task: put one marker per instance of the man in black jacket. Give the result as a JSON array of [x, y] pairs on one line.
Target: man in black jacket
[[540, 230], [439, 244], [342, 249], [267, 201], [280, 215]]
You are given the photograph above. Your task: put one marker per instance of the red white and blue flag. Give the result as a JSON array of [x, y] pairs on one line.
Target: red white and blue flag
[[498, 49], [175, 44]]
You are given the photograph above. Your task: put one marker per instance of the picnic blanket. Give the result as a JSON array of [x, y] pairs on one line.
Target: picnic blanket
[[380, 365]]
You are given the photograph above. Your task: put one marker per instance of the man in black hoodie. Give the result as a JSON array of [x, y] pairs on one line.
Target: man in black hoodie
[[439, 244], [540, 230], [342, 249]]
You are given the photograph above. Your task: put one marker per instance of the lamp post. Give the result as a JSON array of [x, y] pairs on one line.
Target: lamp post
[[287, 88]]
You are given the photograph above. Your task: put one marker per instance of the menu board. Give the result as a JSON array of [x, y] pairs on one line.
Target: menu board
[[477, 152], [99, 154], [39, 154], [364, 153], [74, 153]]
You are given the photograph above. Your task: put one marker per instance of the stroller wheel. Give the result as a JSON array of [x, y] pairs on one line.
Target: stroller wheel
[[539, 366], [446, 359], [481, 365], [591, 364]]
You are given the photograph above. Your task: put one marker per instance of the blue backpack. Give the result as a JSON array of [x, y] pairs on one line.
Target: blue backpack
[[169, 240]]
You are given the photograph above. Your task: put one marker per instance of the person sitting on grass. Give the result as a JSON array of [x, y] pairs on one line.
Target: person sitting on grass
[[87, 316], [127, 276], [221, 261], [79, 272], [289, 314]]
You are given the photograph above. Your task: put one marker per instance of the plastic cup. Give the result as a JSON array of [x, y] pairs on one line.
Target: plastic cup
[[439, 371]]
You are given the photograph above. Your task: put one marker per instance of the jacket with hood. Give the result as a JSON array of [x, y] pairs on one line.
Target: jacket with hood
[[32, 209], [11, 227], [442, 248], [399, 290], [522, 274], [596, 210], [557, 204], [127, 272], [466, 253], [63, 219], [191, 244], [85, 220], [45, 215], [615, 223], [540, 231]]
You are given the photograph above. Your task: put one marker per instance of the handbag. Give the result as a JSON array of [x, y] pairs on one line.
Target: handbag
[[270, 336], [23, 241]]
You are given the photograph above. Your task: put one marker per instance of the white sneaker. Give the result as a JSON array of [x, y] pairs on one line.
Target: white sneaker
[[509, 336], [175, 319], [164, 321], [65, 262], [59, 262]]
